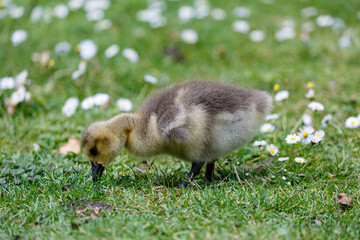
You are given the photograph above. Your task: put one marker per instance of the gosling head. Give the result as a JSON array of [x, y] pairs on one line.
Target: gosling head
[[101, 145]]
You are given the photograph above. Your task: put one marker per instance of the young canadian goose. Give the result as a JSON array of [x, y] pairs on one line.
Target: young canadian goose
[[197, 121]]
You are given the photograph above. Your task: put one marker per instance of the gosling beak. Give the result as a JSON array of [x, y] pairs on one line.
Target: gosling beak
[[97, 171]]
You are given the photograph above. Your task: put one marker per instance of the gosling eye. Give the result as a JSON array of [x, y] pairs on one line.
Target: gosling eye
[[94, 151]]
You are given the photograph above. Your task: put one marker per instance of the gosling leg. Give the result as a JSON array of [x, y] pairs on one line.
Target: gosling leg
[[209, 171], [195, 169]]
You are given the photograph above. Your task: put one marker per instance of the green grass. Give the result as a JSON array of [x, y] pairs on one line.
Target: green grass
[[48, 195]]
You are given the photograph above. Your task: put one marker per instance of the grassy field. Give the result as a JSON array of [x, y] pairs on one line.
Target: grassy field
[[47, 195]]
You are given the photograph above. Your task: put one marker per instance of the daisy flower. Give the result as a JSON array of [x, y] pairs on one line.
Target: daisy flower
[[272, 149], [101, 99], [130, 54], [316, 106], [267, 127], [60, 11], [257, 35], [352, 122], [186, 13], [7, 83], [21, 78], [18, 37], [70, 106], [242, 12], [271, 117], [88, 49], [189, 36], [259, 143], [306, 118], [309, 12], [87, 103], [103, 25], [36, 14], [241, 26], [310, 93], [124, 104], [62, 48], [327, 118], [305, 134], [281, 159], [150, 79], [324, 20], [318, 136], [18, 96], [285, 33], [292, 139], [300, 160], [282, 95], [218, 14], [112, 51]]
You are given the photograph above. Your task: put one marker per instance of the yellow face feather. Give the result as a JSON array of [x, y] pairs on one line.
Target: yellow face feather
[[100, 144]]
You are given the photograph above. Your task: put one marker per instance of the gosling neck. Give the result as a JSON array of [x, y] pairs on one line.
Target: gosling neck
[[124, 122]]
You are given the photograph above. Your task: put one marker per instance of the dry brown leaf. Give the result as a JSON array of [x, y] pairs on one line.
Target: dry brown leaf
[[344, 199], [72, 145]]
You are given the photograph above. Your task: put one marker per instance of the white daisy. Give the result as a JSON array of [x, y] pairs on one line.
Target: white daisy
[[310, 93], [338, 26], [241, 26], [324, 20], [80, 71], [18, 37], [95, 15], [281, 95], [292, 139], [150, 79], [88, 103], [189, 36], [101, 99], [318, 136], [36, 14], [327, 118], [306, 118], [186, 13], [283, 178], [300, 160], [271, 117], [62, 48], [60, 11], [124, 104], [112, 51], [242, 12], [272, 149], [309, 12], [257, 35], [70, 106], [267, 127], [218, 14], [352, 122], [21, 78], [103, 25], [316, 106], [18, 96], [130, 54], [305, 134], [88, 49], [76, 4], [307, 27], [285, 33], [281, 159], [7, 83], [16, 12], [259, 143], [344, 42]]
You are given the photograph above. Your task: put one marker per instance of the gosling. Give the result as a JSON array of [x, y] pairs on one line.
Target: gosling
[[198, 122]]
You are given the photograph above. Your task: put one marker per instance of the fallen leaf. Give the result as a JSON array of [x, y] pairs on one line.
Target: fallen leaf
[[344, 199], [72, 145]]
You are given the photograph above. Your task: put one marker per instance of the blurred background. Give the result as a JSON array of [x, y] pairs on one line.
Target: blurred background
[[65, 64]]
